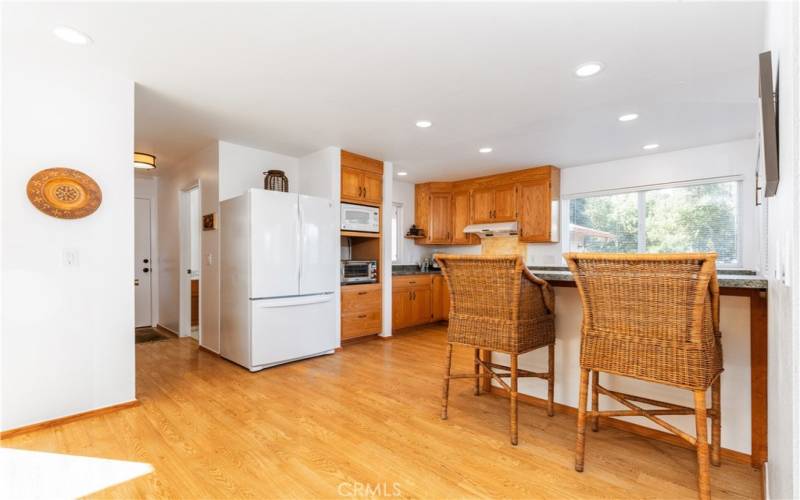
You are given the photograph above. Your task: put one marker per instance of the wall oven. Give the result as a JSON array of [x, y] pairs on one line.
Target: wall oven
[[360, 218], [359, 271]]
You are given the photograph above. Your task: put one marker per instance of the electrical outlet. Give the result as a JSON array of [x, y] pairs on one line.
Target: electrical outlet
[[70, 258]]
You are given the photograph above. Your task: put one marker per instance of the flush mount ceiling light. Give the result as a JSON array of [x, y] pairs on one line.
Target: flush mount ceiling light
[[628, 117], [424, 124], [71, 35], [648, 147], [402, 174], [485, 150], [588, 69], [144, 161]]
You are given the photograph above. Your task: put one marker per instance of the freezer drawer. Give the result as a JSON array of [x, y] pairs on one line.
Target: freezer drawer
[[292, 328]]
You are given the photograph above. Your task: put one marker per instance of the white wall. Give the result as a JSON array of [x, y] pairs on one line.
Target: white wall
[[410, 252], [241, 168], [147, 187], [201, 168], [783, 39], [67, 332]]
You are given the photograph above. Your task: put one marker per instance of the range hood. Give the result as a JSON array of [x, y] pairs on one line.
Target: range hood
[[492, 229]]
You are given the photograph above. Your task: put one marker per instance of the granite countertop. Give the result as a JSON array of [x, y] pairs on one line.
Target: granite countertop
[[729, 278]]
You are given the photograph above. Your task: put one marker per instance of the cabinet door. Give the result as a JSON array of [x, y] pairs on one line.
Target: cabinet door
[[352, 184], [534, 211], [461, 217], [421, 305], [441, 222], [437, 310], [482, 205], [372, 187], [401, 308], [505, 203]]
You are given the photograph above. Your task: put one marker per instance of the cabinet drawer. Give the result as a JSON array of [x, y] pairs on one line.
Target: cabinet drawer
[[412, 281], [360, 323], [360, 298]]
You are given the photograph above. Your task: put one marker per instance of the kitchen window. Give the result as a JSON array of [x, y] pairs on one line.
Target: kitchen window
[[688, 218]]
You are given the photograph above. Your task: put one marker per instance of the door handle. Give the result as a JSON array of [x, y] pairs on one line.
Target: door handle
[[188, 271], [362, 293], [362, 315], [136, 282], [146, 261], [415, 295], [365, 192], [146, 270], [360, 192]]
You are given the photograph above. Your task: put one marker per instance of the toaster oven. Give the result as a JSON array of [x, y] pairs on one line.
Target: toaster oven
[[359, 271]]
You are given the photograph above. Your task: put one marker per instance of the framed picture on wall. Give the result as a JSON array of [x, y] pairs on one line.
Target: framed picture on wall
[[209, 222]]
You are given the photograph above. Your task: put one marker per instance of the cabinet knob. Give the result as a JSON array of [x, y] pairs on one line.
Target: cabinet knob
[[362, 315]]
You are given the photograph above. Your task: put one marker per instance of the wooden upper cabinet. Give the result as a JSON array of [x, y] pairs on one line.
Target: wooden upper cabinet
[[494, 204], [461, 218], [505, 203], [351, 183], [530, 197], [539, 206], [362, 179], [440, 218], [482, 205]]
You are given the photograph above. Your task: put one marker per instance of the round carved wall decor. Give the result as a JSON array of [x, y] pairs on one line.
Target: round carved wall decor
[[64, 193]]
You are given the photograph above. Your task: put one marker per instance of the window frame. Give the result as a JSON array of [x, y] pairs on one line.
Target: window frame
[[397, 209], [642, 211]]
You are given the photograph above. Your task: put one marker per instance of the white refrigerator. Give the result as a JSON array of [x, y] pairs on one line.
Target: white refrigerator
[[279, 256]]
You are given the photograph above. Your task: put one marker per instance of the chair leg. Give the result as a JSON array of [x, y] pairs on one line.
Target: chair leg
[[703, 480], [513, 399], [475, 358], [551, 351], [716, 422], [595, 400], [581, 441], [446, 382]]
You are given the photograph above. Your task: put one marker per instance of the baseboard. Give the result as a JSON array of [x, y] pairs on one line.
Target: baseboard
[[167, 330], [765, 481], [69, 418], [204, 348], [639, 430]]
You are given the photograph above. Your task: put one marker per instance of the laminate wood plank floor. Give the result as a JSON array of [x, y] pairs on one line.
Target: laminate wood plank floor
[[362, 422]]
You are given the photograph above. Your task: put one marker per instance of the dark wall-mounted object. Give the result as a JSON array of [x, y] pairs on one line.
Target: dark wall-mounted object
[[769, 123]]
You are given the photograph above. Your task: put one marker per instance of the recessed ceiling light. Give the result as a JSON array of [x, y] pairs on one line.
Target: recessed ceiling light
[[71, 35], [650, 146], [629, 117], [589, 69], [402, 174], [485, 150], [424, 124]]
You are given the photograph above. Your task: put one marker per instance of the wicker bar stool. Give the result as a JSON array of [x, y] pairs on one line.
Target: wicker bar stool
[[498, 305], [652, 317]]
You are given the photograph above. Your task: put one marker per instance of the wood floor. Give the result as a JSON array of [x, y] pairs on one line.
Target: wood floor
[[362, 422]]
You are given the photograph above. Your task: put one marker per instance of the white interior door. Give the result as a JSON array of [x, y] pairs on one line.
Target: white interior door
[[320, 245], [142, 263]]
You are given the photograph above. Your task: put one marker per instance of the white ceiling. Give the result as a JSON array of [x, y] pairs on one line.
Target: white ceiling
[[293, 78]]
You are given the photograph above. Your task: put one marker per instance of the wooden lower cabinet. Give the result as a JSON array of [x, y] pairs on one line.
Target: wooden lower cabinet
[[361, 310], [418, 300]]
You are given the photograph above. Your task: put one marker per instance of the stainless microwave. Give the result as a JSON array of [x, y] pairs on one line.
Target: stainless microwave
[[359, 271], [360, 218]]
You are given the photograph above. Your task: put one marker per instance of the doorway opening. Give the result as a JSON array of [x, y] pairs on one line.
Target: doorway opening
[[191, 263]]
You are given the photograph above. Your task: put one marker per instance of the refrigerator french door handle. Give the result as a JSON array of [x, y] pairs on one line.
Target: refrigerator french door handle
[[300, 234]]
